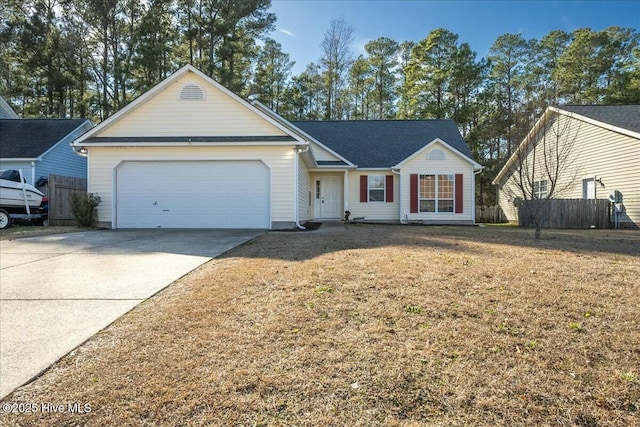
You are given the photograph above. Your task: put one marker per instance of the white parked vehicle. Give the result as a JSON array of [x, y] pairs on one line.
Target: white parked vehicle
[[19, 200]]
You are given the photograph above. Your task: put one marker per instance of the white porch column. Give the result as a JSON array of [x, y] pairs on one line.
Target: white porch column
[[346, 190]]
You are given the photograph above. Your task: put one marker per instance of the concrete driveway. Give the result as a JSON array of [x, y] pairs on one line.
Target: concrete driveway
[[57, 291]]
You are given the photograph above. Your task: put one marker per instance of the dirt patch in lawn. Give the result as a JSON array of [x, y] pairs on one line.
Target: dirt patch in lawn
[[22, 231], [378, 325]]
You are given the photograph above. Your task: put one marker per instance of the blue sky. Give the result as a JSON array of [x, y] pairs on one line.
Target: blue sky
[[301, 23]]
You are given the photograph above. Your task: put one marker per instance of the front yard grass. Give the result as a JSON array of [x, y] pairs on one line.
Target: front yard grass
[[379, 325]]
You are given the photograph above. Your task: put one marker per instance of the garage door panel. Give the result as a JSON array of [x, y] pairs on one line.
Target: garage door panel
[[192, 194]]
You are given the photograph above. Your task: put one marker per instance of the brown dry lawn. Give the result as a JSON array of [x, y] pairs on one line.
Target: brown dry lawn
[[378, 325]]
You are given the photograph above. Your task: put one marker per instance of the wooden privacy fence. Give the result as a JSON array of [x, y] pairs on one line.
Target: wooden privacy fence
[[489, 214], [565, 213], [59, 192]]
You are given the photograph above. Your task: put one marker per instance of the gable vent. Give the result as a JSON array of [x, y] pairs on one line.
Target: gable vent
[[436, 154], [192, 92]]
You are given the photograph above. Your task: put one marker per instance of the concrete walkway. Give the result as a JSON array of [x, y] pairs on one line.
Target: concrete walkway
[[57, 291]]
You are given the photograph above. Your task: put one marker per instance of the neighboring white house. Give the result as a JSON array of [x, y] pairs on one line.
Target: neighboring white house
[[600, 146], [190, 154]]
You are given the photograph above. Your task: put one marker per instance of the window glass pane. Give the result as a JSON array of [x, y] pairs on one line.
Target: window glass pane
[[540, 189], [445, 205], [317, 189], [376, 195], [445, 187], [427, 205], [427, 186], [376, 188], [376, 181]]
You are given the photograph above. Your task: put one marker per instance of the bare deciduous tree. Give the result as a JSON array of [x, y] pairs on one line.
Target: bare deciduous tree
[[543, 165], [336, 60]]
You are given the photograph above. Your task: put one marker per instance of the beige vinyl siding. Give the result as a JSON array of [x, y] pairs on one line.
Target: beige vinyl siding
[[452, 164], [322, 154], [595, 151], [506, 200], [166, 115], [372, 211], [103, 161]]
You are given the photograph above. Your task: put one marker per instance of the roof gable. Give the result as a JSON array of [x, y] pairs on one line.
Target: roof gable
[[383, 143], [438, 144], [187, 104], [30, 138], [622, 117], [617, 118]]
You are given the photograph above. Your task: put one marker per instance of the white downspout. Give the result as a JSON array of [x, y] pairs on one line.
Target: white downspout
[[345, 190], [473, 199], [297, 150], [33, 173], [397, 172]]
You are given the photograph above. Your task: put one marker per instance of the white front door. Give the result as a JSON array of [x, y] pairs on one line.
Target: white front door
[[328, 203]]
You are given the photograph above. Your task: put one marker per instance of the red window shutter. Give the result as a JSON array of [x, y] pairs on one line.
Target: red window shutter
[[388, 186], [413, 193], [364, 188], [458, 202]]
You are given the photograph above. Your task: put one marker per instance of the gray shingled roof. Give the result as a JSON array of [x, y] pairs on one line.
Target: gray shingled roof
[[622, 116], [383, 143], [29, 138]]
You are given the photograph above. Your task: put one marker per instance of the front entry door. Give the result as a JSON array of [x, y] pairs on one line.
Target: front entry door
[[329, 197]]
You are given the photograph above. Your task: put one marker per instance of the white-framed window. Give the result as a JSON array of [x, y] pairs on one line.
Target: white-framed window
[[436, 193], [376, 188], [318, 189], [541, 189]]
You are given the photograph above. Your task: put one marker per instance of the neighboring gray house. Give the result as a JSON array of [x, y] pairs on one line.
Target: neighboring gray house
[[602, 148], [40, 147]]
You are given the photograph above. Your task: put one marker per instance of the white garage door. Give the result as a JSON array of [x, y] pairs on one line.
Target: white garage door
[[192, 194]]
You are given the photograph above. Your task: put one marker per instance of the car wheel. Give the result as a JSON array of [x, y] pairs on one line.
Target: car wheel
[[45, 222], [5, 219]]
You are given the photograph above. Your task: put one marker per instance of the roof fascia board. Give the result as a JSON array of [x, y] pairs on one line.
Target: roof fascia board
[[528, 139], [60, 140], [476, 165], [344, 159], [595, 122], [189, 144], [278, 120], [303, 134], [18, 159], [161, 86], [333, 168], [109, 121]]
